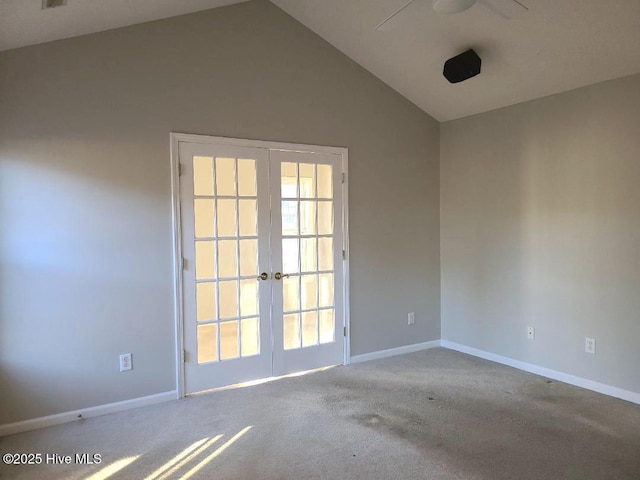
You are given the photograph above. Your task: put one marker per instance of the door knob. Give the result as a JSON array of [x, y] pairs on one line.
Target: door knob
[[279, 276], [263, 276]]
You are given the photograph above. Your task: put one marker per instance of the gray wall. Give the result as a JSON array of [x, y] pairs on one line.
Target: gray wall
[[541, 226], [85, 205]]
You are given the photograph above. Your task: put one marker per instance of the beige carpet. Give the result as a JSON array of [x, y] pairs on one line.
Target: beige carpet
[[435, 414]]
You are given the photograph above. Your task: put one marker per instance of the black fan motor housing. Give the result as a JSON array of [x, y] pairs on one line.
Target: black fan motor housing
[[462, 67]]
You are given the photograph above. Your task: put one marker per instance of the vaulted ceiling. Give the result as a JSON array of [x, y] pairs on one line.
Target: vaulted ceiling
[[557, 45]]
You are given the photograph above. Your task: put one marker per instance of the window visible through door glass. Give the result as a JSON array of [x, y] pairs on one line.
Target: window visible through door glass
[[289, 180], [307, 180], [289, 211], [308, 218]]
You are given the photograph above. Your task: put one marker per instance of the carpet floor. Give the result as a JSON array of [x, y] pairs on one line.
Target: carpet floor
[[435, 414]]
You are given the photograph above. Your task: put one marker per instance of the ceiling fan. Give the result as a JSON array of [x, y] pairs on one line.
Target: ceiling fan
[[505, 8]]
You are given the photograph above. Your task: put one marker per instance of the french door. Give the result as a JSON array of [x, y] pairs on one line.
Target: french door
[[262, 249]]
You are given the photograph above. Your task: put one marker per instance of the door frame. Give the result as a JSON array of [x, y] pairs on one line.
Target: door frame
[[175, 139]]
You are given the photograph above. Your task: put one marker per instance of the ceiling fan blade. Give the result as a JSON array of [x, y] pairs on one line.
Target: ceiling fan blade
[[393, 20], [505, 8]]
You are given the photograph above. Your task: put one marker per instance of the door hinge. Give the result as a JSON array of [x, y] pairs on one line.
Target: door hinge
[[184, 356], [179, 169], [183, 263], [343, 177], [344, 254], [345, 331]]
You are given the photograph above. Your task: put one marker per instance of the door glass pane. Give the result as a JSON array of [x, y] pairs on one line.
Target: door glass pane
[[205, 301], [225, 176], [290, 255], [248, 217], [307, 180], [226, 218], [327, 327], [227, 260], [246, 177], [205, 260], [309, 255], [325, 288], [207, 343], [308, 293], [325, 253], [291, 330], [308, 218], [228, 299], [325, 189], [202, 176], [289, 179], [291, 294], [250, 335], [249, 257], [228, 340], [204, 216], [309, 328], [325, 218], [248, 297], [289, 218]]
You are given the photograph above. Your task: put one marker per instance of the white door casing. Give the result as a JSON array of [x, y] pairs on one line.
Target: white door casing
[[298, 321]]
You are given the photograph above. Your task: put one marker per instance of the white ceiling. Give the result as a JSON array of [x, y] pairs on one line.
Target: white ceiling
[[556, 46]]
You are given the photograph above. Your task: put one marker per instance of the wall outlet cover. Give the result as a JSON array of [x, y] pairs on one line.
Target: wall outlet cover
[[125, 362], [590, 345]]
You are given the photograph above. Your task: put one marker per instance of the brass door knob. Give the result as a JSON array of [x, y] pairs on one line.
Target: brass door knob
[[263, 276], [279, 276]]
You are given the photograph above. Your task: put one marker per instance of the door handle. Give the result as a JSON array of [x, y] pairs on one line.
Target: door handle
[[263, 276], [279, 276]]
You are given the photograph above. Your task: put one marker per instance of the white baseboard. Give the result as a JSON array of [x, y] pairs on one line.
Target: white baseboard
[[50, 420], [547, 372], [58, 418], [365, 357]]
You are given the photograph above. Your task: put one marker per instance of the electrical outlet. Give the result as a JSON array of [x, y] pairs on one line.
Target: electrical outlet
[[411, 318], [531, 333], [590, 345], [125, 362]]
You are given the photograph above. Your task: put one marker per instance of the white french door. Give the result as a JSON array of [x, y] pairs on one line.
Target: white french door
[[306, 246], [262, 243]]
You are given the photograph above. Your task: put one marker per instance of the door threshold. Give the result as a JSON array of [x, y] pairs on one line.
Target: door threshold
[[260, 381]]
